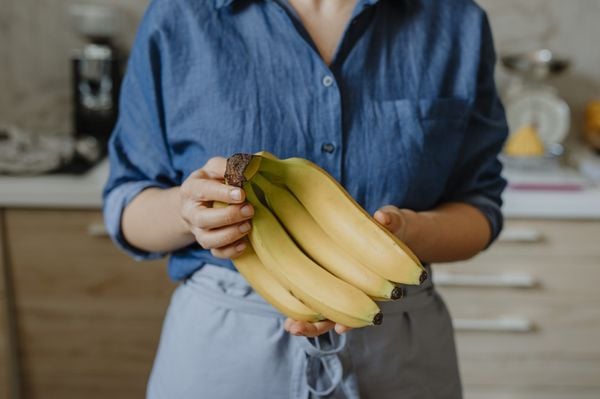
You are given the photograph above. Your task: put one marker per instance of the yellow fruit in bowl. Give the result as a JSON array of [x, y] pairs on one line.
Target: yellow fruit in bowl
[[525, 142]]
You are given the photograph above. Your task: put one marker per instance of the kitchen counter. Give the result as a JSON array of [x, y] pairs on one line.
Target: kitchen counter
[[55, 191], [67, 191], [583, 204]]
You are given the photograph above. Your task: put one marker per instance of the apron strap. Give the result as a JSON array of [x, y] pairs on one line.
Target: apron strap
[[318, 369]]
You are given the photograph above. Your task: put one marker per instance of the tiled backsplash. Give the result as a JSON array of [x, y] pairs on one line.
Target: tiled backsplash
[[36, 40]]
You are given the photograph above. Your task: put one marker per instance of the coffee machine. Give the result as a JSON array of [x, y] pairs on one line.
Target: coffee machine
[[97, 70]]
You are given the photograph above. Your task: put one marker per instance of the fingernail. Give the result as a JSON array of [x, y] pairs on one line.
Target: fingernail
[[244, 228], [235, 194], [240, 247], [246, 210], [383, 217]]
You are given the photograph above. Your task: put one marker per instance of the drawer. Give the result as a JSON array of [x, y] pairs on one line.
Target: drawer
[[561, 351], [515, 393], [553, 285], [527, 374], [89, 317], [555, 238]]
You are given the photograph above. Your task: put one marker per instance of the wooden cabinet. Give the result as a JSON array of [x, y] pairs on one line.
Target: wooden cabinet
[[89, 317], [550, 348], [4, 340], [527, 311]]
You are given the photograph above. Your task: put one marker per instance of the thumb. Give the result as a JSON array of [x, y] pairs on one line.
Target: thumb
[[391, 218]]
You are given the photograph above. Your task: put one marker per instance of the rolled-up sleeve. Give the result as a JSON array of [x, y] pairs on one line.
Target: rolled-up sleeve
[[476, 178], [138, 155]]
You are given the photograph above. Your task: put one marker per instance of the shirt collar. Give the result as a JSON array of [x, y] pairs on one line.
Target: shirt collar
[[226, 3]]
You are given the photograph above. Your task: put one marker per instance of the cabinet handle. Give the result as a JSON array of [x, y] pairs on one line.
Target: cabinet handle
[[523, 235], [505, 280], [501, 324], [97, 230]]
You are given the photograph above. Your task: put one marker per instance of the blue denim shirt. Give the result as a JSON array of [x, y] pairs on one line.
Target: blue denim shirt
[[407, 113]]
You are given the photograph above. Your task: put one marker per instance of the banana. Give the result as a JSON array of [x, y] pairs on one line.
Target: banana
[[319, 246], [355, 231], [267, 286], [335, 299], [270, 289]]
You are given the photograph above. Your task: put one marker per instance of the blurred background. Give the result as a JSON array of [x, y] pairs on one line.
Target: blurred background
[[79, 319]]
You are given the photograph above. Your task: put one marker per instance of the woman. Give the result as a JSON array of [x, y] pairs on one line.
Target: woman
[[396, 99]]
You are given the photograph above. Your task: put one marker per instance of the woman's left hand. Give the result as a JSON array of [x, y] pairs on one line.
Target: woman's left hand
[[392, 219]]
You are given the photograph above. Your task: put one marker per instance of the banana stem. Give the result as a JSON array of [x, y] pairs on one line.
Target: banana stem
[[241, 168]]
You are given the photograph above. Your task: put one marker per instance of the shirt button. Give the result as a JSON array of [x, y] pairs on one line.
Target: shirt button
[[328, 148], [327, 81]]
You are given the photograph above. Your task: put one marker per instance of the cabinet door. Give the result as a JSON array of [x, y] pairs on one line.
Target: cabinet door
[[89, 317], [549, 282], [4, 356]]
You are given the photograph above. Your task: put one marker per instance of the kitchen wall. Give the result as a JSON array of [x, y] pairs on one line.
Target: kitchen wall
[[36, 40], [570, 28]]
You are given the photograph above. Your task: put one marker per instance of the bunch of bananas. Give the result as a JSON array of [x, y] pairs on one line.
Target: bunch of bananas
[[315, 254]]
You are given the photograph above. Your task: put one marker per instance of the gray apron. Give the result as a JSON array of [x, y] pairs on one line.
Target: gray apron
[[221, 340]]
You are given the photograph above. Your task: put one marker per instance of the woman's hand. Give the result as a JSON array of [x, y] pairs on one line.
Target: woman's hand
[[451, 231], [222, 229]]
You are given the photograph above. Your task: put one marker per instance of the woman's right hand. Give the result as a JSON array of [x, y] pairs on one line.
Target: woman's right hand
[[220, 229]]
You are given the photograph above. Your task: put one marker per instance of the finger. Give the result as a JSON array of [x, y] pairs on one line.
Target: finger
[[382, 217], [390, 217], [321, 327], [341, 329], [207, 190], [211, 218], [221, 237], [231, 251], [306, 329], [215, 168], [287, 324]]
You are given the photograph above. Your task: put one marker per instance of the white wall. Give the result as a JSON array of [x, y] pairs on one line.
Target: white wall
[[35, 42]]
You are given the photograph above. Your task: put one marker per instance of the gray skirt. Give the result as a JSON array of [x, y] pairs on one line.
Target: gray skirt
[[221, 340]]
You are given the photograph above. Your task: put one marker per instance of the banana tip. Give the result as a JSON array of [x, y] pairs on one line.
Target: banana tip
[[423, 277], [378, 319], [397, 293]]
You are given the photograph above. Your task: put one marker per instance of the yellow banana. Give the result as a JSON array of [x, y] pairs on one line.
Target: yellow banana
[[267, 286], [270, 289], [319, 246], [338, 215], [333, 298]]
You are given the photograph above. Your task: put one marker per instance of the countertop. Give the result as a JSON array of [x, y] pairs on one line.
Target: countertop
[[54, 191], [65, 191]]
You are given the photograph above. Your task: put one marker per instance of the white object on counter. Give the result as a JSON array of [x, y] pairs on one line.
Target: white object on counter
[[55, 191]]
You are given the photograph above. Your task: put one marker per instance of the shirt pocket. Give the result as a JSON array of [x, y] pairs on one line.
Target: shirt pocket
[[442, 123], [440, 126]]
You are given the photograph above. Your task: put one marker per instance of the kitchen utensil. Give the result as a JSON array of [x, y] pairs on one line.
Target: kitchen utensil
[[96, 71], [537, 116]]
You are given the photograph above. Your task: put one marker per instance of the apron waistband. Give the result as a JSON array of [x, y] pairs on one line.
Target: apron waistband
[[228, 289]]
